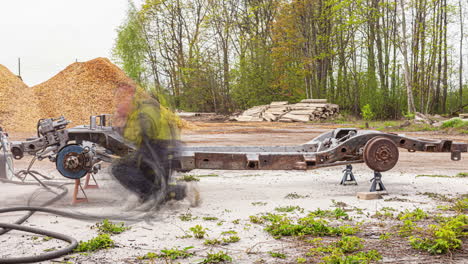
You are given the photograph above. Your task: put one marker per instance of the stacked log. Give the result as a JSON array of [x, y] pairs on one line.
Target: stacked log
[[304, 111]]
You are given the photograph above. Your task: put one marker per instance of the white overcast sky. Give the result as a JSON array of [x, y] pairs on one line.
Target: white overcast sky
[[48, 35]]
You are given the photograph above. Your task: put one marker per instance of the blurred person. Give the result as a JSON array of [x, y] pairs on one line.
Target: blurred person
[[152, 129]]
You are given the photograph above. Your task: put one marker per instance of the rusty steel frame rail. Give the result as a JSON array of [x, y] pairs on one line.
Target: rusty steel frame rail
[[333, 148]]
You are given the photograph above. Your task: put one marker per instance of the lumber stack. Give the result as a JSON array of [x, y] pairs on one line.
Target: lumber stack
[[304, 111]]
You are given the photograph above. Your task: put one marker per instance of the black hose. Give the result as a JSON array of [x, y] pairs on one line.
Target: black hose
[[45, 256], [5, 227]]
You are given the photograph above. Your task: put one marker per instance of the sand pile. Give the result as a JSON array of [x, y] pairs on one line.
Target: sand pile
[[81, 90], [18, 103]]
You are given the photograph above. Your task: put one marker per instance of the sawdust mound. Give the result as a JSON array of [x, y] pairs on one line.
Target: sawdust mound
[[18, 103], [81, 90]]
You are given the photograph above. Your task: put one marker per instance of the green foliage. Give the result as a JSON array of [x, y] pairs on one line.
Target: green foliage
[[366, 112], [210, 218], [301, 260], [198, 231], [415, 215], [187, 217], [289, 209], [107, 227], [102, 241], [284, 226], [295, 196], [349, 244], [455, 123], [256, 219], [385, 236], [174, 253], [277, 255], [360, 257], [337, 213], [218, 257], [443, 237], [344, 251], [407, 228], [259, 203], [460, 205]]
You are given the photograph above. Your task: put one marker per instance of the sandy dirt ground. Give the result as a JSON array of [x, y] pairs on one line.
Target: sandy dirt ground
[[233, 196]]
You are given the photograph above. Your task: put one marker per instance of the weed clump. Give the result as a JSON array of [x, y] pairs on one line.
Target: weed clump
[[443, 237], [338, 213], [415, 215], [284, 226], [187, 217], [107, 227], [344, 251], [218, 257], [198, 231], [169, 254], [102, 241], [289, 209]]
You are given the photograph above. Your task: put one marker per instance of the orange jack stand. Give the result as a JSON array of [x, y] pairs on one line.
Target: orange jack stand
[[75, 199], [90, 186]]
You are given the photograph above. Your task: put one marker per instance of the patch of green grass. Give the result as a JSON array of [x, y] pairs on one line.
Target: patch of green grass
[[174, 253], [433, 176], [277, 255], [189, 178], [49, 249], [462, 175], [295, 195], [102, 241], [218, 257], [47, 238], [455, 123], [198, 231], [289, 209], [108, 227], [210, 218], [187, 217], [236, 221]]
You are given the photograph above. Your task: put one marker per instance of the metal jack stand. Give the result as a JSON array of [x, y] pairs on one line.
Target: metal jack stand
[[76, 199], [348, 172], [91, 186], [377, 180]]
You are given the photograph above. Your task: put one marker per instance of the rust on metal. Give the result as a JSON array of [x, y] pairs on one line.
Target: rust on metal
[[380, 154]]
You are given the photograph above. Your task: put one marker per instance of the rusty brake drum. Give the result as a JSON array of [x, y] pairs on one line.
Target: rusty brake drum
[[380, 154]]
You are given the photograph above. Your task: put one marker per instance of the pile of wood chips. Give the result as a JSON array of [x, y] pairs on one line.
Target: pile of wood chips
[[18, 104], [81, 90], [306, 110]]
